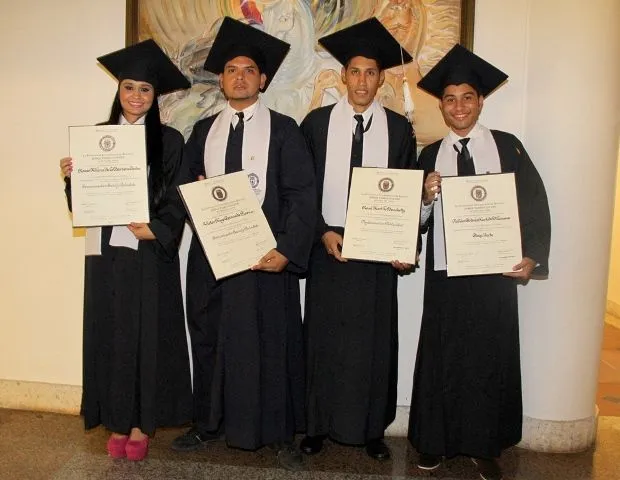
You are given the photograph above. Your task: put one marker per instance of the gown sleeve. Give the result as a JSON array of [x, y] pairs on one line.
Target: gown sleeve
[[534, 214], [168, 218], [297, 186], [308, 134]]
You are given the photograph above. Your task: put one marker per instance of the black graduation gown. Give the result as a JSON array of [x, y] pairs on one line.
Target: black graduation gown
[[467, 384], [246, 330], [351, 316], [135, 355]]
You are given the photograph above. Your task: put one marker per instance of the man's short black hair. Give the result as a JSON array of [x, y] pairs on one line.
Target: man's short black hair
[[377, 61]]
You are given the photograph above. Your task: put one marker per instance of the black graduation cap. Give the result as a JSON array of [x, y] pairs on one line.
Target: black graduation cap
[[368, 39], [145, 62], [460, 66], [236, 39]]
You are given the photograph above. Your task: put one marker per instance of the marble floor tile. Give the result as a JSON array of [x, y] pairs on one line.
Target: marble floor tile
[[52, 446]]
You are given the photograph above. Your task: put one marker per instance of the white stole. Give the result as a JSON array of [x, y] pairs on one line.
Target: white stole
[[485, 155], [338, 156], [255, 150]]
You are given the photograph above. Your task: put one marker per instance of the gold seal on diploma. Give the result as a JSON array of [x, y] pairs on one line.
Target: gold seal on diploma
[[478, 193], [219, 193], [107, 143], [386, 184]]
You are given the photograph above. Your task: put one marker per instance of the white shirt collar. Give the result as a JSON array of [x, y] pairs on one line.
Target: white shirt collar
[[123, 121], [248, 113], [367, 114], [475, 132]]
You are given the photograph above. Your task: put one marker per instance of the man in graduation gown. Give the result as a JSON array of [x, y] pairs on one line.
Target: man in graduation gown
[[351, 317], [246, 330], [467, 385]]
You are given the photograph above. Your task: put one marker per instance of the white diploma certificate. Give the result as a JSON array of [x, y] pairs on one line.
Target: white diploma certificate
[[229, 222], [481, 224], [109, 178], [383, 215]]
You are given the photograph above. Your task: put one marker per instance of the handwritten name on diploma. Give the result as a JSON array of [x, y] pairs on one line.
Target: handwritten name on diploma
[[492, 218], [108, 169], [385, 208], [115, 185], [227, 218]]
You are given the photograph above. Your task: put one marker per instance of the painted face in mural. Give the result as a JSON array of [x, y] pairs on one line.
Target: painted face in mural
[[399, 17], [241, 81], [363, 78], [136, 98], [461, 106]]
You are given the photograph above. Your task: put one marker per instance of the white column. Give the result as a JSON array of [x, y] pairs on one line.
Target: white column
[[566, 56], [571, 120]]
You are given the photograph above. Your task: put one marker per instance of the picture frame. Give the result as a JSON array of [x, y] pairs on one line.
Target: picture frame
[[185, 30], [468, 9]]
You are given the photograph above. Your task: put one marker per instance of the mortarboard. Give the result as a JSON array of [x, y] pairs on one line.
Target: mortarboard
[[145, 62], [368, 39], [235, 39], [460, 66]]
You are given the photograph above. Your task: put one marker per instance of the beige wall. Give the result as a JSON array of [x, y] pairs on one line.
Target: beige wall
[[613, 288], [50, 79]]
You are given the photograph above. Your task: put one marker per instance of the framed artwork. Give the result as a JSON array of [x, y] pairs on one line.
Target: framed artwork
[[309, 76]]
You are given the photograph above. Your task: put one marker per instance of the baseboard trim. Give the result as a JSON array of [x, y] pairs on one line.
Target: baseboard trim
[[552, 436], [400, 425], [49, 397], [42, 397]]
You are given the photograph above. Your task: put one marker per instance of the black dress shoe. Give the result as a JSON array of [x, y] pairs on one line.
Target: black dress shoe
[[290, 457], [311, 445], [193, 440], [428, 462], [378, 450], [488, 468]]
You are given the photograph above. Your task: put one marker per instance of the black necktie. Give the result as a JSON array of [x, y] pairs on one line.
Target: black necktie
[[234, 147], [358, 136], [464, 161], [357, 146]]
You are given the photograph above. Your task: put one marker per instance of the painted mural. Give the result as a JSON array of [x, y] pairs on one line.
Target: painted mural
[[309, 76]]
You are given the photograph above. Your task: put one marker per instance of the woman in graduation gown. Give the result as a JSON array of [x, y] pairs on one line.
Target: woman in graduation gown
[[135, 358]]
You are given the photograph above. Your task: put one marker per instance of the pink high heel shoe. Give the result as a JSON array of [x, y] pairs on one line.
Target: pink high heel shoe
[[136, 450], [116, 446]]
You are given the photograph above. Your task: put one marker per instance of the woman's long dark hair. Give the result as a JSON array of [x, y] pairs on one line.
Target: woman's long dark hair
[[154, 147]]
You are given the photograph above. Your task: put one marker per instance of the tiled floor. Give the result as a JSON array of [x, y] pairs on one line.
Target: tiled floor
[[51, 446], [608, 396]]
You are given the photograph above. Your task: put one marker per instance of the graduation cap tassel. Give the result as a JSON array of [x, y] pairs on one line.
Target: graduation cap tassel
[[407, 94], [408, 100]]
